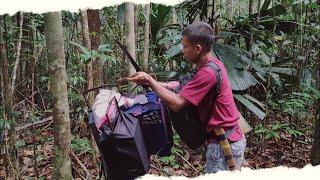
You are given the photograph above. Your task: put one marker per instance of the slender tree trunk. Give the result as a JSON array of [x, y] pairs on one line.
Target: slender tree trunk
[[174, 21], [259, 10], [218, 8], [136, 29], [145, 62], [229, 12], [11, 153], [249, 40], [86, 39], [26, 53], [94, 24], [250, 7], [130, 35], [58, 88], [17, 61], [87, 42]]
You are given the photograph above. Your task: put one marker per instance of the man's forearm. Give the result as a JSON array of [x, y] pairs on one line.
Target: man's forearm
[[173, 100]]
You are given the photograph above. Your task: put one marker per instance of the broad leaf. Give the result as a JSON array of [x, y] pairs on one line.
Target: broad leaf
[[235, 61], [174, 50], [254, 109]]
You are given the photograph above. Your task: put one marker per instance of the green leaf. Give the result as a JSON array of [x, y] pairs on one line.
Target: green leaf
[[107, 58], [86, 52], [250, 106], [226, 34], [20, 143], [14, 113], [169, 39], [260, 131], [286, 71], [160, 15], [269, 136], [172, 74], [174, 50], [266, 4], [259, 103], [104, 48], [235, 61], [276, 78]]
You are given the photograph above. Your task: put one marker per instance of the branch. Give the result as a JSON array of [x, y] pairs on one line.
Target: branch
[[83, 167], [50, 118], [16, 63], [187, 162]]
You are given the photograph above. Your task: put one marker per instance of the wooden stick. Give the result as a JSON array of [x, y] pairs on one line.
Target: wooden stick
[[196, 170], [83, 167], [50, 118], [78, 173]]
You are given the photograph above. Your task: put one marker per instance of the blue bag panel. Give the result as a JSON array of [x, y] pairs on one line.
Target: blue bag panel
[[155, 127]]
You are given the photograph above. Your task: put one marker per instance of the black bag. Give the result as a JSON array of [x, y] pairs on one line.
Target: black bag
[[122, 147], [186, 123], [156, 127]]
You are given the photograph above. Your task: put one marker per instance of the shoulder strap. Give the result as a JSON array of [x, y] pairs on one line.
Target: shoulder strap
[[217, 71]]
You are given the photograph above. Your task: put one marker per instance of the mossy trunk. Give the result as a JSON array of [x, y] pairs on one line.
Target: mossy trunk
[[58, 88]]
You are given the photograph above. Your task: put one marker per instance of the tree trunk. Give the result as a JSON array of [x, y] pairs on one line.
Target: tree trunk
[[11, 153], [58, 88], [174, 21], [145, 62], [217, 9], [87, 42], [250, 7], [130, 35], [94, 24], [17, 61], [315, 152], [229, 12], [136, 29], [27, 54]]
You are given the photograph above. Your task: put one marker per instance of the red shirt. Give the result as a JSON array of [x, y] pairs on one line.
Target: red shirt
[[224, 112]]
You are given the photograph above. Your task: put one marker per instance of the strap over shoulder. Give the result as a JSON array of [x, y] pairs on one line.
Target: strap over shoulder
[[217, 71]]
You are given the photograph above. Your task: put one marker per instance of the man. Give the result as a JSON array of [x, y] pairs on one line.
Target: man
[[197, 40]]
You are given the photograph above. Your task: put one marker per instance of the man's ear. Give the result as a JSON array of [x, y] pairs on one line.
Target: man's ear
[[199, 48]]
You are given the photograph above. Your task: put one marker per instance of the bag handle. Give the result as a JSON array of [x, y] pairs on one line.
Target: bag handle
[[93, 89], [114, 99]]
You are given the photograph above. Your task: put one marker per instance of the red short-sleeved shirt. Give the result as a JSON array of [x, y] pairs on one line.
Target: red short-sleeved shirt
[[224, 112]]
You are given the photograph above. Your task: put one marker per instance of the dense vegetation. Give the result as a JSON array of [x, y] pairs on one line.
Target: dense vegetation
[[270, 49]]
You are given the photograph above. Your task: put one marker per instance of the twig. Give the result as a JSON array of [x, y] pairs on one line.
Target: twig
[[50, 118], [78, 173], [49, 124], [187, 162], [45, 173], [17, 104], [83, 167], [16, 63]]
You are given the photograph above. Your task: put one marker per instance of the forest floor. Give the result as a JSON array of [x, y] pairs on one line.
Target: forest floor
[[284, 151]]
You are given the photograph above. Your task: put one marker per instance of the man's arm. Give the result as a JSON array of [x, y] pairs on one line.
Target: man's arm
[[173, 100], [169, 85]]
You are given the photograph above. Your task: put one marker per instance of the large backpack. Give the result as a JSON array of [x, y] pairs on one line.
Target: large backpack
[[123, 152], [186, 123]]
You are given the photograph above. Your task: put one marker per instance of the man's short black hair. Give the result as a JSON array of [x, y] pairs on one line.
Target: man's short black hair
[[200, 33]]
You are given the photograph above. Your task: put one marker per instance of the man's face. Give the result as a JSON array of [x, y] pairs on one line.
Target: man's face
[[190, 52]]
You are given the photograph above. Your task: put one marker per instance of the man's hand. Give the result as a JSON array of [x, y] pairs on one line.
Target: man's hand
[[140, 78]]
